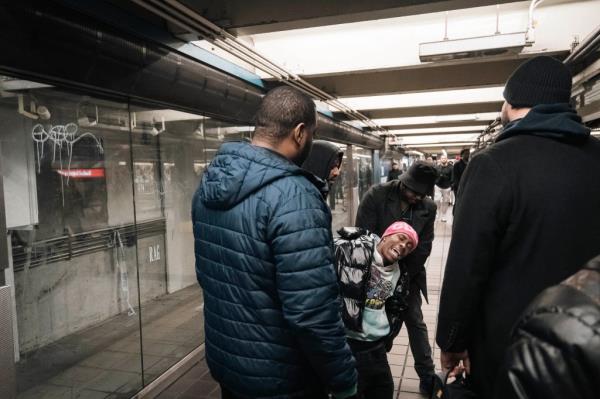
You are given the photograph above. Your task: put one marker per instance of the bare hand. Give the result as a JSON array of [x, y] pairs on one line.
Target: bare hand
[[452, 361]]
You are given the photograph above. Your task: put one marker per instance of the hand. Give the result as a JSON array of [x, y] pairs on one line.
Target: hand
[[451, 361]]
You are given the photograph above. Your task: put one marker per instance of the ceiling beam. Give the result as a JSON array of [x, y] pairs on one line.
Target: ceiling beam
[[451, 109], [241, 17], [474, 73]]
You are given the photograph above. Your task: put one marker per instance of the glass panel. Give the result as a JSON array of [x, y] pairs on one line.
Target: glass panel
[[338, 197], [363, 166], [171, 150], [69, 203]]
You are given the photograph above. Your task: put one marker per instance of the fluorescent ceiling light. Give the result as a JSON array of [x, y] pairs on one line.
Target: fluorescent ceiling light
[[457, 129], [442, 145], [418, 120], [444, 97], [448, 138]]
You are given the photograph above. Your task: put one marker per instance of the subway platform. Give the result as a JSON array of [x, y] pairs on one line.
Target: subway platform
[[198, 384]]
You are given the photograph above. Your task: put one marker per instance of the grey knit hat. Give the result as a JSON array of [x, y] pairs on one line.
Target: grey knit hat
[[539, 80]]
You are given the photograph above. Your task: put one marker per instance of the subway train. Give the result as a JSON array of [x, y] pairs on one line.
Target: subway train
[[108, 120]]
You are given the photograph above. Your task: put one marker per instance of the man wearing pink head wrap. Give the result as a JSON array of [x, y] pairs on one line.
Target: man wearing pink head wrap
[[369, 276]]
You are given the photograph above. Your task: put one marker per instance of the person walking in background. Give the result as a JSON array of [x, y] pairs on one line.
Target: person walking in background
[[395, 172], [404, 200], [370, 274], [457, 171], [264, 259], [325, 162], [442, 185], [528, 216]]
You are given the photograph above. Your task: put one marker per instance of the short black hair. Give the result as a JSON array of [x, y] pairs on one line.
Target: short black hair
[[282, 109], [463, 151]]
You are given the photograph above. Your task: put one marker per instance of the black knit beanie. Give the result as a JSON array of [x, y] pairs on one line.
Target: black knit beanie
[[540, 80]]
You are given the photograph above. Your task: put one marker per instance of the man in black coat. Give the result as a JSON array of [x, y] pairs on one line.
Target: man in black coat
[[458, 169], [395, 172], [528, 217], [404, 200]]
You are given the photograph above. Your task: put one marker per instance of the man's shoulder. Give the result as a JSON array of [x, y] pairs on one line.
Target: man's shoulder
[[384, 188], [293, 189]]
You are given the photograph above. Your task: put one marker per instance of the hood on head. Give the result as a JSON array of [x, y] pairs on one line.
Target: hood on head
[[240, 169], [555, 121], [322, 158]]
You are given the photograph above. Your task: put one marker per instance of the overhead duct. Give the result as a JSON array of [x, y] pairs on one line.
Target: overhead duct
[[331, 129], [500, 44], [482, 46], [85, 55], [94, 57]]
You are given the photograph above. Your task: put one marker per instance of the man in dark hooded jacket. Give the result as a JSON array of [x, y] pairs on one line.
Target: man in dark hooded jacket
[[264, 258], [325, 162], [527, 218]]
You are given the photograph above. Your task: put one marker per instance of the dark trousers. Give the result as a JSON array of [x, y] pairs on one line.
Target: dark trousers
[[417, 333], [374, 374]]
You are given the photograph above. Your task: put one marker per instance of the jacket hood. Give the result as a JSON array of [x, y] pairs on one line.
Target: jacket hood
[[555, 121], [240, 169], [321, 159]]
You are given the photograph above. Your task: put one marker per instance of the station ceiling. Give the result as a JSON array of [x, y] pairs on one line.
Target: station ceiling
[[366, 55]]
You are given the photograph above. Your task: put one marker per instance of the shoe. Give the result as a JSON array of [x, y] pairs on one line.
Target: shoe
[[426, 385]]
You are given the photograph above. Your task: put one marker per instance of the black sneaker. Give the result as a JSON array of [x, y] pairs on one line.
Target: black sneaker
[[426, 385]]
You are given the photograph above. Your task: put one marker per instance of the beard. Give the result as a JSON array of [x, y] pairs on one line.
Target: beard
[[504, 117], [303, 154]]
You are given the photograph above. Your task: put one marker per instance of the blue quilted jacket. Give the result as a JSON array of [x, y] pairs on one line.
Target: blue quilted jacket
[[264, 260]]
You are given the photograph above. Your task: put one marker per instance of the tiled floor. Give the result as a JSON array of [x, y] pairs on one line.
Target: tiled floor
[[197, 383]]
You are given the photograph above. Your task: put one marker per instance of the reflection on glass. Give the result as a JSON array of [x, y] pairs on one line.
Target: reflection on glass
[[86, 222], [338, 197], [168, 168], [69, 205], [363, 167]]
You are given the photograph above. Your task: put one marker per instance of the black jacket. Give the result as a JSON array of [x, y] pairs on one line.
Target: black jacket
[[444, 176], [380, 207], [555, 349], [527, 218], [457, 171], [393, 174]]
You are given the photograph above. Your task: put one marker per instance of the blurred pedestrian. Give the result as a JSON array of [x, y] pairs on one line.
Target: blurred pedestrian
[[395, 172]]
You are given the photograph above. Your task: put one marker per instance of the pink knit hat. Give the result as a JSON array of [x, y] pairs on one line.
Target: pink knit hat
[[402, 227]]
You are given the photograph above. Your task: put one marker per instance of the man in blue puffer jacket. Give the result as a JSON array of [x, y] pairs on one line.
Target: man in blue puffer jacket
[[264, 259]]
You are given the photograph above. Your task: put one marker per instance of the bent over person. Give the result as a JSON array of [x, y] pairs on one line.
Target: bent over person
[[264, 259], [371, 282], [404, 200]]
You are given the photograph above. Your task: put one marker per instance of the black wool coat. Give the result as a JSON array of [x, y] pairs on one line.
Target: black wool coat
[[528, 217], [380, 207]]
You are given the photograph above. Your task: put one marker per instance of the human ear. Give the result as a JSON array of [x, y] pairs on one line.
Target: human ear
[[299, 133]]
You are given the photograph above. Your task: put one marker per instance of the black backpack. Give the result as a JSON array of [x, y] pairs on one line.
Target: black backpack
[[353, 256]]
